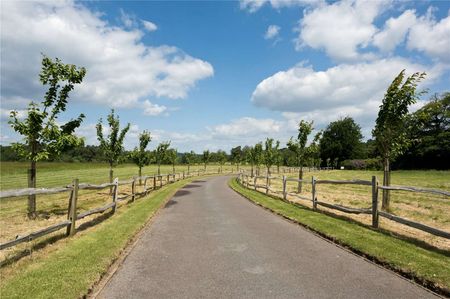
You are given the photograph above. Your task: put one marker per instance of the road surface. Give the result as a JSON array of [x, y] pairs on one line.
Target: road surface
[[209, 242]]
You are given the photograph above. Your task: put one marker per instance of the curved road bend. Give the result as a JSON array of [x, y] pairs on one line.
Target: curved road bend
[[209, 242]]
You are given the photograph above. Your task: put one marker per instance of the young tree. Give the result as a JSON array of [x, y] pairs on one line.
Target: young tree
[[161, 154], [236, 156], [270, 155], [43, 136], [298, 146], [258, 153], [221, 158], [206, 157], [314, 150], [139, 155], [172, 156], [389, 132], [190, 158], [112, 145]]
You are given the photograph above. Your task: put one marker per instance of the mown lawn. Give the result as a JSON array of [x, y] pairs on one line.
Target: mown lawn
[[429, 266]]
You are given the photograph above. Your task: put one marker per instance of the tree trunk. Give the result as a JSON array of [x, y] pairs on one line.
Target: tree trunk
[[189, 165], [32, 184], [159, 169], [205, 166], [173, 168], [278, 168], [251, 171], [140, 175], [386, 182], [111, 174], [300, 177]]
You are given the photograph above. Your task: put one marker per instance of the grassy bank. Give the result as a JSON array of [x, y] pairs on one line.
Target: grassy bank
[[78, 262], [427, 266]]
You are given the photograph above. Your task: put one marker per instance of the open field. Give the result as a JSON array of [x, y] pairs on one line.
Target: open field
[[428, 266], [54, 174], [430, 209]]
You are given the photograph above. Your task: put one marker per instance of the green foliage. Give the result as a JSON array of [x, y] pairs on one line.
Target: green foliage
[[189, 158], [206, 157], [270, 154], [43, 137], [112, 145], [313, 150], [390, 132], [236, 155], [429, 130], [298, 145], [172, 156], [221, 157], [140, 156], [342, 140], [362, 164], [161, 152]]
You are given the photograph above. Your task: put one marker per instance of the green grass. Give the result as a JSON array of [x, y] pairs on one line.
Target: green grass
[[53, 174], [71, 270], [431, 267]]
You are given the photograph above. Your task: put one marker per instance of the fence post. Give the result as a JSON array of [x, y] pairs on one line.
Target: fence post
[[267, 184], [133, 188], [313, 192], [115, 194], [284, 187], [72, 213], [374, 202], [160, 181]]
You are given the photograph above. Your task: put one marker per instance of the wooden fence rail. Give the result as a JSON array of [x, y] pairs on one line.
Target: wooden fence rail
[[245, 179], [72, 216]]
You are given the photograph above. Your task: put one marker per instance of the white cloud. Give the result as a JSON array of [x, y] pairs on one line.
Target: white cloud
[[272, 32], [128, 20], [246, 126], [301, 89], [431, 37], [153, 109], [394, 32], [254, 5], [121, 70], [341, 28], [149, 26]]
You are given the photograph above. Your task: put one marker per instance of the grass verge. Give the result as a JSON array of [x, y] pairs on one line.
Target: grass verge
[[427, 267], [70, 271]]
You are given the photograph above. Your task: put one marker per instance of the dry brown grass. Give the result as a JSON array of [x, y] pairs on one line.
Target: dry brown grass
[[429, 209]]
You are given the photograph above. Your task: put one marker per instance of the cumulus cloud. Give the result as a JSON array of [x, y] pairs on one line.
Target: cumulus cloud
[[394, 32], [246, 126], [149, 26], [121, 70], [431, 37], [272, 32], [153, 109], [340, 29], [350, 89], [254, 5]]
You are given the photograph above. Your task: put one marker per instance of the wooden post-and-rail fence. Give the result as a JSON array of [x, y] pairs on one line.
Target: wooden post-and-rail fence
[[245, 180], [73, 189]]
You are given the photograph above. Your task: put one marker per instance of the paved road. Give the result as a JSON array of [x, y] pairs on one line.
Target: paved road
[[209, 242]]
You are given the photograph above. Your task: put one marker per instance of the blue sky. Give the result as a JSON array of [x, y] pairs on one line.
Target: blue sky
[[219, 74]]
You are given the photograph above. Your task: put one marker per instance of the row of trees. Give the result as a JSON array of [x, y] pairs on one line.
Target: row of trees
[[397, 134]]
